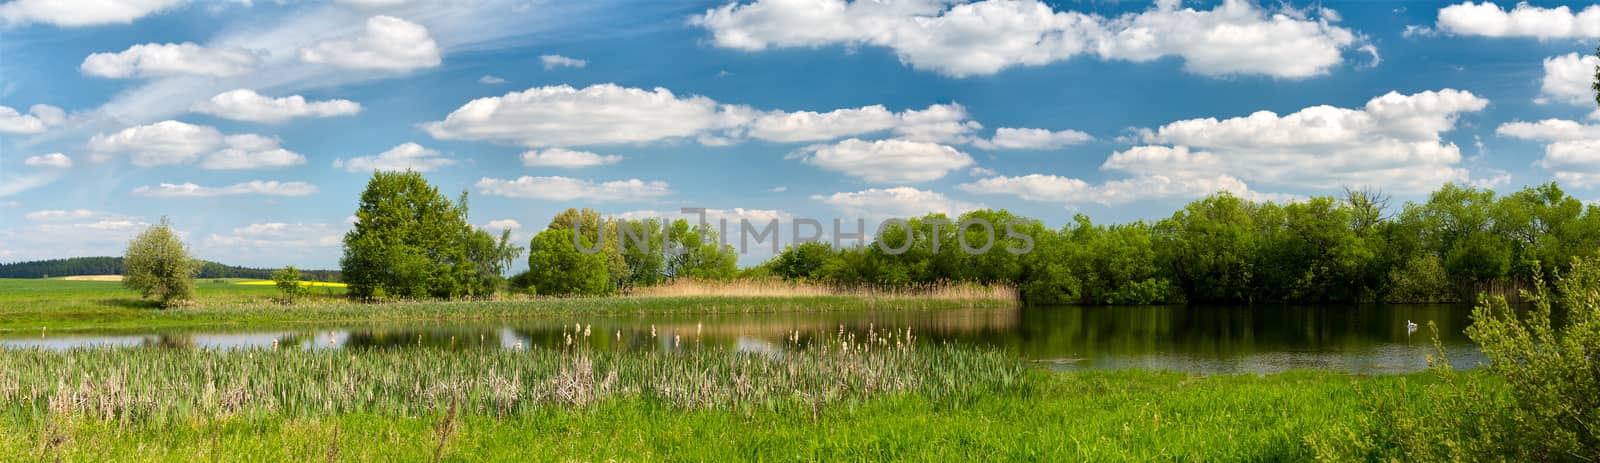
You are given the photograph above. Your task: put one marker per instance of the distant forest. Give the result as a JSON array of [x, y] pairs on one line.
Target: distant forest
[[113, 266]]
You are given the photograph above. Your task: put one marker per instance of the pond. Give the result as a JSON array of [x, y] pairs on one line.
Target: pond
[[1216, 339]]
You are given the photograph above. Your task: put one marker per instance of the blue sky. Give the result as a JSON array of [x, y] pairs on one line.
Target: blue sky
[[254, 125]]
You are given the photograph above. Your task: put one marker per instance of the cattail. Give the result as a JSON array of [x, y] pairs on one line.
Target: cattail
[[697, 327], [652, 331], [586, 331]]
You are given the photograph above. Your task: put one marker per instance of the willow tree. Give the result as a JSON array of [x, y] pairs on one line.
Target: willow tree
[[157, 265]]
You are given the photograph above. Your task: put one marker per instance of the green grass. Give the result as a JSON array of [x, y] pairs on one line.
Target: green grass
[[1085, 416], [62, 305]]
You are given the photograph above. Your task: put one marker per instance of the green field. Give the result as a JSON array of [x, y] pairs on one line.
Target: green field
[[69, 305]]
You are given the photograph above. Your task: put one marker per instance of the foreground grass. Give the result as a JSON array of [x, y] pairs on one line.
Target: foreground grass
[[61, 305], [1084, 416], [878, 397]]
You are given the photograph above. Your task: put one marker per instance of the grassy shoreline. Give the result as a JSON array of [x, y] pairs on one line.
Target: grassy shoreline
[[59, 305], [1095, 416]]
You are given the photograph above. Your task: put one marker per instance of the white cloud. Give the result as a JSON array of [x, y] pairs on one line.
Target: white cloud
[[1067, 190], [247, 105], [778, 189], [608, 114], [491, 80], [254, 187], [503, 224], [800, 126], [564, 116], [569, 189], [39, 117], [1571, 150], [1393, 141], [1033, 139], [404, 156], [568, 159], [1568, 79], [558, 61], [386, 43], [278, 235], [175, 143], [733, 216], [171, 59], [887, 161], [60, 215], [161, 143], [1524, 20], [82, 12], [981, 38], [52, 160], [251, 151], [895, 202]]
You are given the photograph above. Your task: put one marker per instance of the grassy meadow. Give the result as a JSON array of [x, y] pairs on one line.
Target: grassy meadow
[[77, 305]]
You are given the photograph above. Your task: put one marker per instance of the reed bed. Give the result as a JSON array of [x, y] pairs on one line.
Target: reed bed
[[772, 287], [163, 385]]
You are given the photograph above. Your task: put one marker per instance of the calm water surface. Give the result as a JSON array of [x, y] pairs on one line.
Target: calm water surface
[[1221, 339]]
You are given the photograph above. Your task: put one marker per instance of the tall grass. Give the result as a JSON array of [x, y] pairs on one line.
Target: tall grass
[[771, 287], [125, 385]]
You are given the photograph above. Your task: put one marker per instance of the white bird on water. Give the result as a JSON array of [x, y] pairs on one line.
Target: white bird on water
[[1411, 327]]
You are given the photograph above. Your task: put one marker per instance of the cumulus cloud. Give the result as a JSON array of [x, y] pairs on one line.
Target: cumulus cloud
[[386, 43], [274, 235], [802, 126], [1568, 79], [250, 151], [82, 12], [1032, 139], [1067, 190], [895, 202], [1571, 150], [609, 114], [1394, 142], [247, 105], [171, 59], [558, 61], [567, 159], [161, 143], [1489, 20], [887, 161], [52, 160], [174, 143], [599, 114], [569, 189], [39, 118], [985, 37], [503, 224], [404, 156], [254, 187]]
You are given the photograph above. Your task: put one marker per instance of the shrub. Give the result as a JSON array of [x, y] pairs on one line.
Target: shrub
[[1537, 400], [288, 281], [158, 265]]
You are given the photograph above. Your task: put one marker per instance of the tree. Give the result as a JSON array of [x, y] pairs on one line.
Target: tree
[[288, 282], [699, 254], [593, 227], [801, 261], [158, 265], [410, 241], [557, 268]]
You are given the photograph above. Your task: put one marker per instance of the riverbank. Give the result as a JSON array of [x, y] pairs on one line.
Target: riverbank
[[60, 305]]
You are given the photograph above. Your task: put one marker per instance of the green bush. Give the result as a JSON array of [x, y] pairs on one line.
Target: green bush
[[1537, 400], [288, 282], [158, 265]]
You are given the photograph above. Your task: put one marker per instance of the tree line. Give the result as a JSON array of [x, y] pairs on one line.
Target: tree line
[[1226, 249], [114, 266]]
